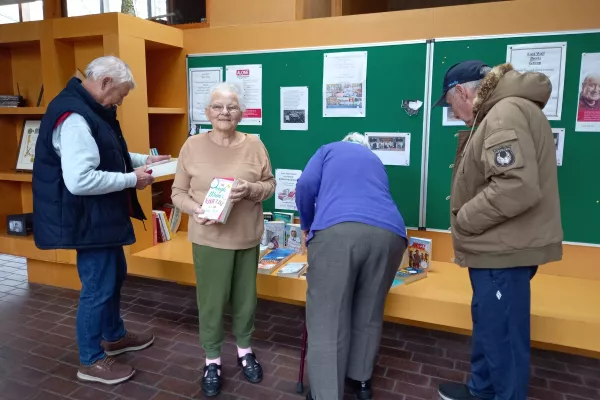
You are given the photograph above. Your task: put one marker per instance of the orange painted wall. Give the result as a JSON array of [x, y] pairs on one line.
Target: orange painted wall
[[242, 12]]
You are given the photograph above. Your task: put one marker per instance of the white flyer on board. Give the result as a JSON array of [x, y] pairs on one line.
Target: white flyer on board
[[286, 180], [201, 81], [294, 108], [345, 84], [249, 78], [546, 58], [559, 143], [449, 119], [588, 107], [391, 148]]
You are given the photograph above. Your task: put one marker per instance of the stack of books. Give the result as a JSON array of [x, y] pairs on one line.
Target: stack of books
[[281, 231], [415, 263], [11, 101]]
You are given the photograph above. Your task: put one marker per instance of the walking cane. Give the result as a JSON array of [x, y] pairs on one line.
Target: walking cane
[[300, 385]]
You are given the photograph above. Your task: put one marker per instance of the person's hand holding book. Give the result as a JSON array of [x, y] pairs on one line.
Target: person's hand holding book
[[240, 191], [197, 215]]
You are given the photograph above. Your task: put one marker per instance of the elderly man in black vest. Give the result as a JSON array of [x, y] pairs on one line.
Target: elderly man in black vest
[[84, 193]]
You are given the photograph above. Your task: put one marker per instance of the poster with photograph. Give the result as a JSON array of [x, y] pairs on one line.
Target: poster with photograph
[[449, 119], [31, 131], [391, 148], [545, 58], [285, 192], [345, 84], [294, 108], [559, 143], [588, 109], [201, 81], [249, 78]]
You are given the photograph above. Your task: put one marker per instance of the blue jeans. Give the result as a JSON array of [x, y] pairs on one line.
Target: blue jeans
[[501, 347], [102, 272]]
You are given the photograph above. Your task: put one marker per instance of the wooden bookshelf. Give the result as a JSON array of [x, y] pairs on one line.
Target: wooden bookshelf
[[24, 246], [15, 176], [165, 178], [166, 110], [22, 111]]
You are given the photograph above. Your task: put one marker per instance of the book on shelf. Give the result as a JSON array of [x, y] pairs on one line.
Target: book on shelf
[[163, 168], [273, 260], [405, 276], [292, 270], [286, 217], [173, 216], [160, 224], [217, 205], [273, 234], [418, 253], [293, 234], [268, 216]]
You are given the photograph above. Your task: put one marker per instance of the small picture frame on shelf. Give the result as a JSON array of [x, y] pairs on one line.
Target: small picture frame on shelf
[[19, 224], [26, 154]]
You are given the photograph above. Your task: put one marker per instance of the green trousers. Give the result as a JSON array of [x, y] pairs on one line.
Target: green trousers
[[223, 278]]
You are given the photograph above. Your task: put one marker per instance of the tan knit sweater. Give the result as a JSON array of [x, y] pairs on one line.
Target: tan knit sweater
[[201, 160]]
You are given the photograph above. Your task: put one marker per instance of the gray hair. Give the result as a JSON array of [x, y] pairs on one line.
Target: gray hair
[[359, 138], [229, 88], [110, 67], [473, 85]]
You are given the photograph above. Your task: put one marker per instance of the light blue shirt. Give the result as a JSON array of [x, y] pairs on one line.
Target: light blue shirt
[[79, 157]]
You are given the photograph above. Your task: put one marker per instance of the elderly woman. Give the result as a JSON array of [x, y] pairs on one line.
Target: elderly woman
[[356, 238], [225, 255]]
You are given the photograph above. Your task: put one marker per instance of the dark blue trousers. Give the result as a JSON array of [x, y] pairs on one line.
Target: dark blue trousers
[[501, 345], [102, 273]]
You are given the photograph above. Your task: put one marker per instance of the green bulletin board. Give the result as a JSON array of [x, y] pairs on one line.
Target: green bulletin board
[[395, 72], [578, 175]]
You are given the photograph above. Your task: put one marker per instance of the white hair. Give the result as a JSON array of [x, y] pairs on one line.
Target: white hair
[[227, 88], [359, 138], [110, 67], [473, 85]]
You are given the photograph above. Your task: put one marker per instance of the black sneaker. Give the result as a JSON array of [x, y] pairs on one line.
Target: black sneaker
[[456, 391], [362, 389], [211, 380], [252, 371]]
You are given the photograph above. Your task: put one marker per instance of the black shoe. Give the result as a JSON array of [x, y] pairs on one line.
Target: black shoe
[[456, 391], [309, 395], [252, 371], [211, 380], [362, 389]]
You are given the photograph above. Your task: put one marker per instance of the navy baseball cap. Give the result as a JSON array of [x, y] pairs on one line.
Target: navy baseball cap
[[463, 72]]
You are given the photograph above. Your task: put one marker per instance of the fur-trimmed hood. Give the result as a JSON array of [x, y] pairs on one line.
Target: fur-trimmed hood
[[504, 81]]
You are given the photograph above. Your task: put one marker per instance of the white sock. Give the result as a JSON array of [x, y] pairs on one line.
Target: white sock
[[213, 361], [243, 352]]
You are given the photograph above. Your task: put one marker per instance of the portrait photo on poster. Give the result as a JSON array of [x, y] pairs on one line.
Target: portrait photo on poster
[[588, 107], [559, 143], [391, 148]]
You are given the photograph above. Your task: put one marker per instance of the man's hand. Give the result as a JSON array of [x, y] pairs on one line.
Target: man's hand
[[144, 178], [153, 159], [239, 191], [196, 212]]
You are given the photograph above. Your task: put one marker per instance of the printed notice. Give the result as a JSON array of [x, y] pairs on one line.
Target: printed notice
[[345, 84], [201, 81], [545, 58], [391, 148], [286, 180], [294, 108], [249, 79], [559, 143], [449, 119], [588, 109]]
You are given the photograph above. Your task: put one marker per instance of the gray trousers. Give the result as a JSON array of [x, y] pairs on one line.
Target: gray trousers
[[351, 269]]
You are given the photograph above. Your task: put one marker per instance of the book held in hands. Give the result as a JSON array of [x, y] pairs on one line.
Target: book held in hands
[[217, 204]]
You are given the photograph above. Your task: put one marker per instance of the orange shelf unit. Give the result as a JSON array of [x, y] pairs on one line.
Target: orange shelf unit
[[15, 176], [166, 110], [22, 111]]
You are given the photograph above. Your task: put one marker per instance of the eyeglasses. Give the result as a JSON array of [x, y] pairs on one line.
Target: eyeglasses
[[219, 108]]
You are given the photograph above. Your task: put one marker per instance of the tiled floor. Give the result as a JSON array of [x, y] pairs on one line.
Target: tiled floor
[[38, 356]]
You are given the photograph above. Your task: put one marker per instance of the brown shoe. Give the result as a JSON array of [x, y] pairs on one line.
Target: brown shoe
[[130, 342], [105, 371]]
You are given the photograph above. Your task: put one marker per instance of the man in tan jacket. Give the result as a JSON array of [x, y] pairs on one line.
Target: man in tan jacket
[[505, 216]]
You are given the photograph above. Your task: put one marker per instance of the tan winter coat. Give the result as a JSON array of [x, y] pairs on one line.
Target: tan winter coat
[[505, 209]]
